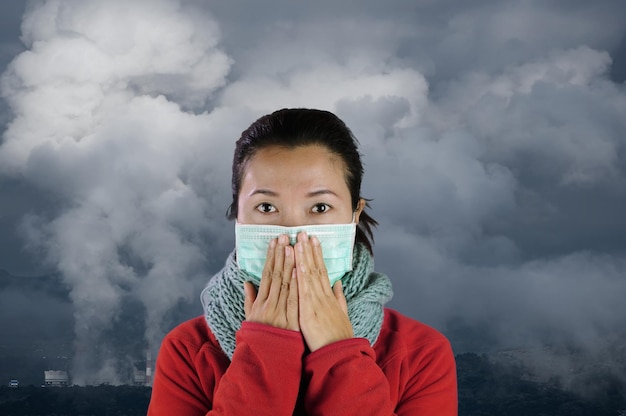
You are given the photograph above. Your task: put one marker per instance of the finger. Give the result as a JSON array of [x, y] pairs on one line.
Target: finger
[[318, 262], [341, 298], [266, 276], [277, 270], [292, 303], [289, 262], [288, 269], [249, 297], [301, 269], [317, 279], [306, 258]]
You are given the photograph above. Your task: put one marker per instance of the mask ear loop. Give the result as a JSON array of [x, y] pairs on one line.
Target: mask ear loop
[[361, 204]]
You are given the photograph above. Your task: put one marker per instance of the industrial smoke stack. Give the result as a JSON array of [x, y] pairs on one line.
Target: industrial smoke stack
[[148, 367]]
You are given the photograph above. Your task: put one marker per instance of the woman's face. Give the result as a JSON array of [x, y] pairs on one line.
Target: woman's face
[[290, 187]]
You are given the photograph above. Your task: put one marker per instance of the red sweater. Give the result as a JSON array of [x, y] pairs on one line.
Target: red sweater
[[410, 370]]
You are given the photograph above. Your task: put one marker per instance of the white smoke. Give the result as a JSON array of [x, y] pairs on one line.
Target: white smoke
[[98, 122]]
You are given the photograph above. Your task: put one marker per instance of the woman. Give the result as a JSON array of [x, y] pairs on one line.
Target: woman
[[294, 323]]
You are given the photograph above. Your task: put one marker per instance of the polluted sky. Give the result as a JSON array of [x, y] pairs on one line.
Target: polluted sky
[[493, 136]]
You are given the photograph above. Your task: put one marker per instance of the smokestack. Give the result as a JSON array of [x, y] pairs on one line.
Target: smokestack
[[148, 368]]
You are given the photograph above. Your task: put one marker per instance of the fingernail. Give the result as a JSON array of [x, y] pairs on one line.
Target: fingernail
[[288, 251], [315, 240], [282, 239], [273, 243]]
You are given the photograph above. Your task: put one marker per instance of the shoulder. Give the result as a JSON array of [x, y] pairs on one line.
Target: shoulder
[[404, 336], [192, 336], [194, 331], [409, 329], [418, 360], [188, 367]]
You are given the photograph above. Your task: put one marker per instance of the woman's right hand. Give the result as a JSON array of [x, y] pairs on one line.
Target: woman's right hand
[[276, 302]]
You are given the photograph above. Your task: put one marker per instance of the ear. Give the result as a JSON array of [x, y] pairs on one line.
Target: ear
[[359, 209]]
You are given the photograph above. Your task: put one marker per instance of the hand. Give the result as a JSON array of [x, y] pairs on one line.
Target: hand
[[323, 311], [276, 302]]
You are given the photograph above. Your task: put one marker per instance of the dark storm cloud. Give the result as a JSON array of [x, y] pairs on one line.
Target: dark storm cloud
[[19, 197], [10, 20], [25, 316], [492, 133]]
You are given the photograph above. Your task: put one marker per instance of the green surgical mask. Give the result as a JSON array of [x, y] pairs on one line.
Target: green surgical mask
[[337, 241]]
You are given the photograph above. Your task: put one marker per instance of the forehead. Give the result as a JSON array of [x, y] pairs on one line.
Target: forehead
[[302, 165]]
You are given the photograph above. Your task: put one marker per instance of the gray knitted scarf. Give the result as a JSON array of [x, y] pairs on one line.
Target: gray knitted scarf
[[366, 292]]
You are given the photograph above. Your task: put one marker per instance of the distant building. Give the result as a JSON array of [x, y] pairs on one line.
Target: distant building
[[139, 377], [142, 372], [56, 378]]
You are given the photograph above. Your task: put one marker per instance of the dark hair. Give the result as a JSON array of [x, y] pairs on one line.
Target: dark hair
[[296, 127]]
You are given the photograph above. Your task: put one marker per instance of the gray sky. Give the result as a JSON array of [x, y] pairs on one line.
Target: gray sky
[[493, 134]]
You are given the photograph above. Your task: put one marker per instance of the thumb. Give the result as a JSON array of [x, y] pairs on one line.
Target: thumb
[[249, 297], [338, 292]]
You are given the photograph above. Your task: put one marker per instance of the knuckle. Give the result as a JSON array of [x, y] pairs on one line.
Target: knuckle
[[267, 274]]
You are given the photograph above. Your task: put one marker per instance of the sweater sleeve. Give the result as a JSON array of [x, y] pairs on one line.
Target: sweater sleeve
[[431, 383], [344, 379], [177, 388], [262, 378]]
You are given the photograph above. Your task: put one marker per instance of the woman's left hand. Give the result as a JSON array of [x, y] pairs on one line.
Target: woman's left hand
[[323, 311]]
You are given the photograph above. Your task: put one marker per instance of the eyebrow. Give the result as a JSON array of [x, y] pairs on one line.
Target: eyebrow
[[322, 192], [269, 192], [264, 192]]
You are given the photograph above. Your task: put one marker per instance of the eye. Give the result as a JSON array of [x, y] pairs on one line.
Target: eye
[[321, 208], [266, 208]]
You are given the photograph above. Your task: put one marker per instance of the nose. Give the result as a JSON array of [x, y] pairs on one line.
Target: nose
[[292, 218]]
